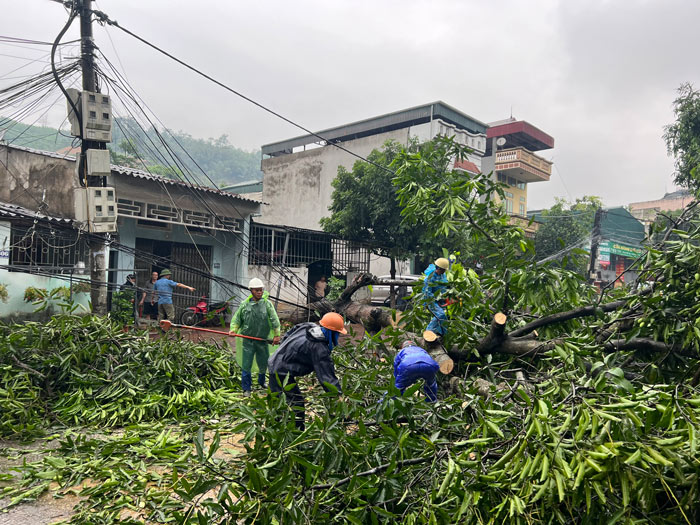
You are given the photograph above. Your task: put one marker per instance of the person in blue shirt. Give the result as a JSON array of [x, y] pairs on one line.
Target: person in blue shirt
[[413, 363], [435, 284], [164, 287]]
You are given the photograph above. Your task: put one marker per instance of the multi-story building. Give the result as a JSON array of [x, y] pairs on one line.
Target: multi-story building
[[297, 190], [509, 155], [298, 172]]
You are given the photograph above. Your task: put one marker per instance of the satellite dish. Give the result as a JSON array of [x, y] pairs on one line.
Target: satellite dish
[[500, 141]]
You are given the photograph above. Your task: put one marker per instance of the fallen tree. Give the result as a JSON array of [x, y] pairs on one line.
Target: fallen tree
[[566, 403]]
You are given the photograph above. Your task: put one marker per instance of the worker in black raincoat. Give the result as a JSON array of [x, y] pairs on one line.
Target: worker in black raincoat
[[304, 349]]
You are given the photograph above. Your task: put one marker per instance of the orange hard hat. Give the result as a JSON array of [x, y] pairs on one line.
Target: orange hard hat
[[333, 321]]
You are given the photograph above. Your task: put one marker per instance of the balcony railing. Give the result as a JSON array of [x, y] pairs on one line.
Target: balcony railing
[[524, 165]]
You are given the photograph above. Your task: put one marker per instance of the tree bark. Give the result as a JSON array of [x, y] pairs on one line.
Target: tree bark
[[374, 318], [496, 335], [392, 290]]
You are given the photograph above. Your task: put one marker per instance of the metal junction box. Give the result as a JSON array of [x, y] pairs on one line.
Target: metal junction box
[[98, 164], [96, 109], [97, 207]]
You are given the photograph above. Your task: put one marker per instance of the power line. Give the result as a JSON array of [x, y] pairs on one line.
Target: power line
[[104, 19], [182, 166], [135, 253]]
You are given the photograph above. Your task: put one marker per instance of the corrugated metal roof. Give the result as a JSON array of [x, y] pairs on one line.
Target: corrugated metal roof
[[381, 124], [131, 172], [140, 174], [19, 212]]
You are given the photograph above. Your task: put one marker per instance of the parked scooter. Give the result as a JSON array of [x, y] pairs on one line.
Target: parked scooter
[[205, 313]]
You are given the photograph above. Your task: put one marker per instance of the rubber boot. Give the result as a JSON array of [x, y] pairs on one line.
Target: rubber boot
[[246, 381]]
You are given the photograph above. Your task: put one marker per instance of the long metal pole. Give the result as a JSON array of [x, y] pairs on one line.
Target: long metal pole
[[284, 262]]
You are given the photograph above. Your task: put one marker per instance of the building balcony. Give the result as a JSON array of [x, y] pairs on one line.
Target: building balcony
[[523, 165]]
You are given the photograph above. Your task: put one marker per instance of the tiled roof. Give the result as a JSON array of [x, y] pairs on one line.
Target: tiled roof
[[467, 166], [18, 212], [132, 172]]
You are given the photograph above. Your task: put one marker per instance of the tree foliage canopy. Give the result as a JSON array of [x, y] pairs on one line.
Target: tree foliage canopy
[[683, 137], [365, 207], [565, 225]]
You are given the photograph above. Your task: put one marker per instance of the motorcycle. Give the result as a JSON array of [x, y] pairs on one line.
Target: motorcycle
[[205, 313]]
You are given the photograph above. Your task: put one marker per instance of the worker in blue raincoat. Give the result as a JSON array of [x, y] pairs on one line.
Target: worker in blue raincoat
[[435, 284], [413, 363]]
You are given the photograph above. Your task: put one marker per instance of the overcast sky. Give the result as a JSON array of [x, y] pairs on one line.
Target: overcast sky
[[599, 76]]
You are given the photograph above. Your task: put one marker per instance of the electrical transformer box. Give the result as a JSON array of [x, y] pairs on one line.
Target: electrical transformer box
[[98, 164], [97, 207], [96, 112]]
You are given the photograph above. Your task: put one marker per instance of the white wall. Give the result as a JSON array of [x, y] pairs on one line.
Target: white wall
[[297, 188], [291, 289]]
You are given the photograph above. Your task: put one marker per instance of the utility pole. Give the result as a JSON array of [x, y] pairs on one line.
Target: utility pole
[[595, 241], [98, 246]]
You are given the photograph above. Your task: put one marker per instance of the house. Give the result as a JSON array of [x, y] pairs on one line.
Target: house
[[301, 169], [646, 211], [621, 243], [201, 233]]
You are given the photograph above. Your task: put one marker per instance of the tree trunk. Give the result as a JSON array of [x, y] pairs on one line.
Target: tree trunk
[[392, 289], [435, 349]]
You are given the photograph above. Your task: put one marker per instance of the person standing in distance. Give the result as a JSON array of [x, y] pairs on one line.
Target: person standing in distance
[[306, 348], [164, 287], [149, 299], [255, 317]]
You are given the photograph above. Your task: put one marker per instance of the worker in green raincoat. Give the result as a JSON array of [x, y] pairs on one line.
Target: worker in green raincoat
[[255, 317]]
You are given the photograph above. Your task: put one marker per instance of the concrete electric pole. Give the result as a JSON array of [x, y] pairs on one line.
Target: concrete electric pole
[[86, 175], [595, 241]]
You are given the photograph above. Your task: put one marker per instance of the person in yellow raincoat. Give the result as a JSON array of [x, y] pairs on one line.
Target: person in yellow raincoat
[[255, 317]]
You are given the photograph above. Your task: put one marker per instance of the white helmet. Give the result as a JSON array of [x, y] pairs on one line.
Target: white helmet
[[255, 283]]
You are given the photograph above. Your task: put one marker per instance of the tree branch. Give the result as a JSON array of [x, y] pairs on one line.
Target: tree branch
[[560, 317], [27, 367], [638, 343], [371, 472]]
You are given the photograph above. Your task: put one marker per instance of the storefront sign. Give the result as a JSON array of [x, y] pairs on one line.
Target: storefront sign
[[617, 248]]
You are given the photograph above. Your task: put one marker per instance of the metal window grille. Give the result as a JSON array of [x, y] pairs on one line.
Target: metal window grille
[[42, 246], [304, 247]]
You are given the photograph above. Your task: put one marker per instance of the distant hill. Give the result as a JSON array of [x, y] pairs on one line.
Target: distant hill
[[37, 137], [222, 162]]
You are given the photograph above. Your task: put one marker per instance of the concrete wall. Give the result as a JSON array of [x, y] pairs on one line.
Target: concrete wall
[[31, 177], [292, 290], [297, 187], [382, 266]]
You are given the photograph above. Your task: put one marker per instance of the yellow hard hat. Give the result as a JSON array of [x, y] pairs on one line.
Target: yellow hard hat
[[442, 263]]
